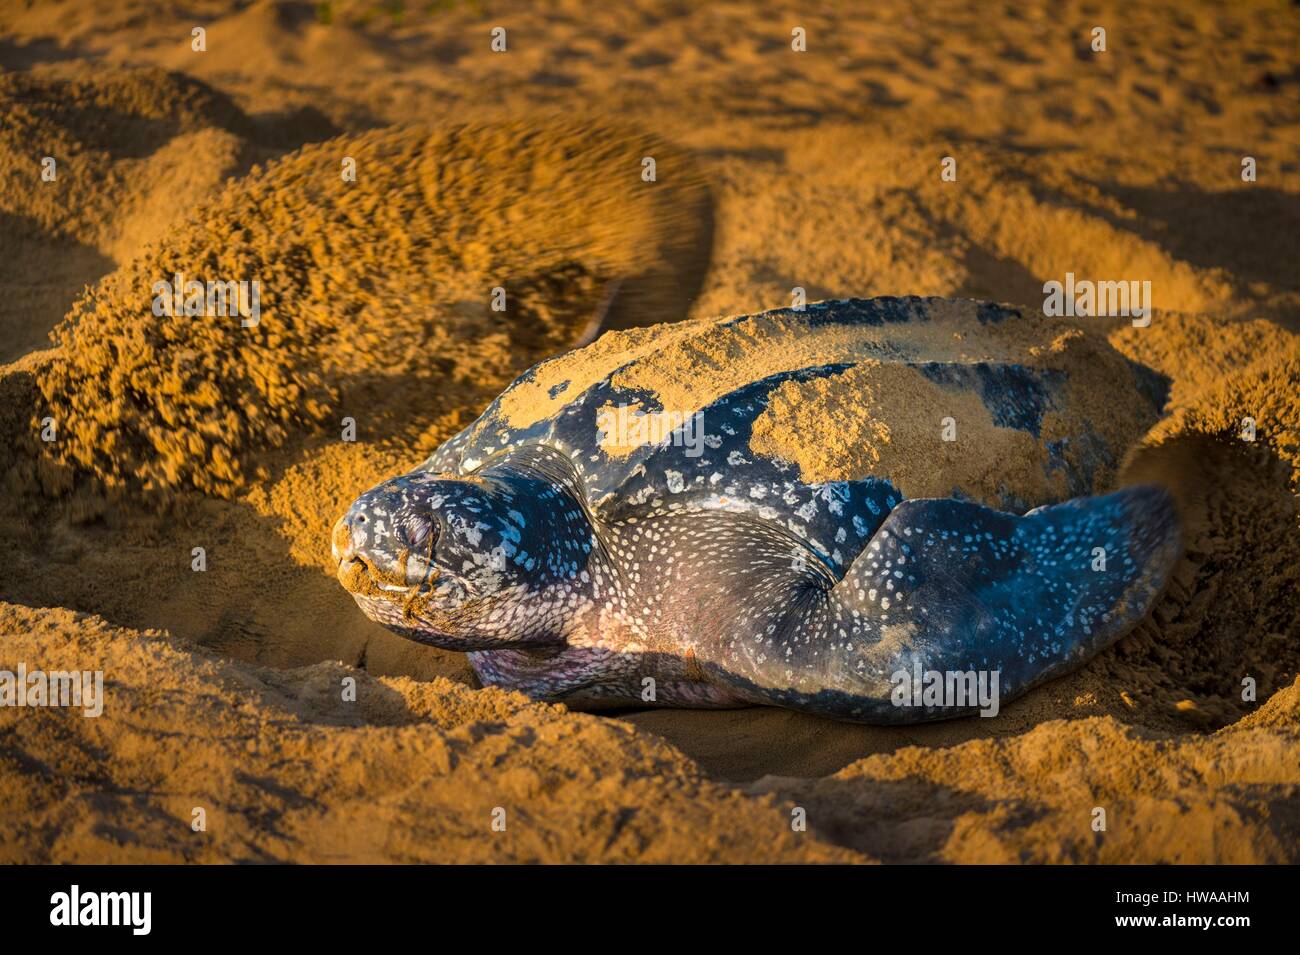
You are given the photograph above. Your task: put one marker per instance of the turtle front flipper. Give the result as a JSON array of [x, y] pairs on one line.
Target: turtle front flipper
[[953, 601]]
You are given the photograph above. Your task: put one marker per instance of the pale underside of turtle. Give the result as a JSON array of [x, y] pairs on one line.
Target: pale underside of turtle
[[816, 509]]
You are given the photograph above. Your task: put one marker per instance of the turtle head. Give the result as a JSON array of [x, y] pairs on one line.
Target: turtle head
[[466, 562]]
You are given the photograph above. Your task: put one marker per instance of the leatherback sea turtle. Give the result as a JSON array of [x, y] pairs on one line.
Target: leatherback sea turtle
[[816, 509]]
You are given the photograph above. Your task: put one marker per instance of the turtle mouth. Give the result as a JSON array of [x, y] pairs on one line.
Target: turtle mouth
[[382, 599], [362, 577]]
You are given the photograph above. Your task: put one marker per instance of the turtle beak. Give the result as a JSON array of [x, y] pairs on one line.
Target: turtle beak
[[412, 569], [352, 570], [341, 545]]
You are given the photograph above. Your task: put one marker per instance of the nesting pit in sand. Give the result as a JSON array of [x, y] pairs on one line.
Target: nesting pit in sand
[[1136, 735]]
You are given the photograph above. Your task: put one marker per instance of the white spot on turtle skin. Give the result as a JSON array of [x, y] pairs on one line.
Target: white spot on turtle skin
[[675, 483]]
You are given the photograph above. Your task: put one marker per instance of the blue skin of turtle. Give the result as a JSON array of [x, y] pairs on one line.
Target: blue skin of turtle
[[723, 580]]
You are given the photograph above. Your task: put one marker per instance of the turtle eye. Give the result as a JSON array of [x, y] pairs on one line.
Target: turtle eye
[[418, 531]]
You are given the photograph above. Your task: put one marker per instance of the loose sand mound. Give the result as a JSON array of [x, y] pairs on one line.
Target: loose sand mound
[[286, 770], [375, 294], [89, 121], [134, 151], [124, 144], [1226, 798], [824, 169]]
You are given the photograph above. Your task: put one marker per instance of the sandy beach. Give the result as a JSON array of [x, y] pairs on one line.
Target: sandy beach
[[819, 169]]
